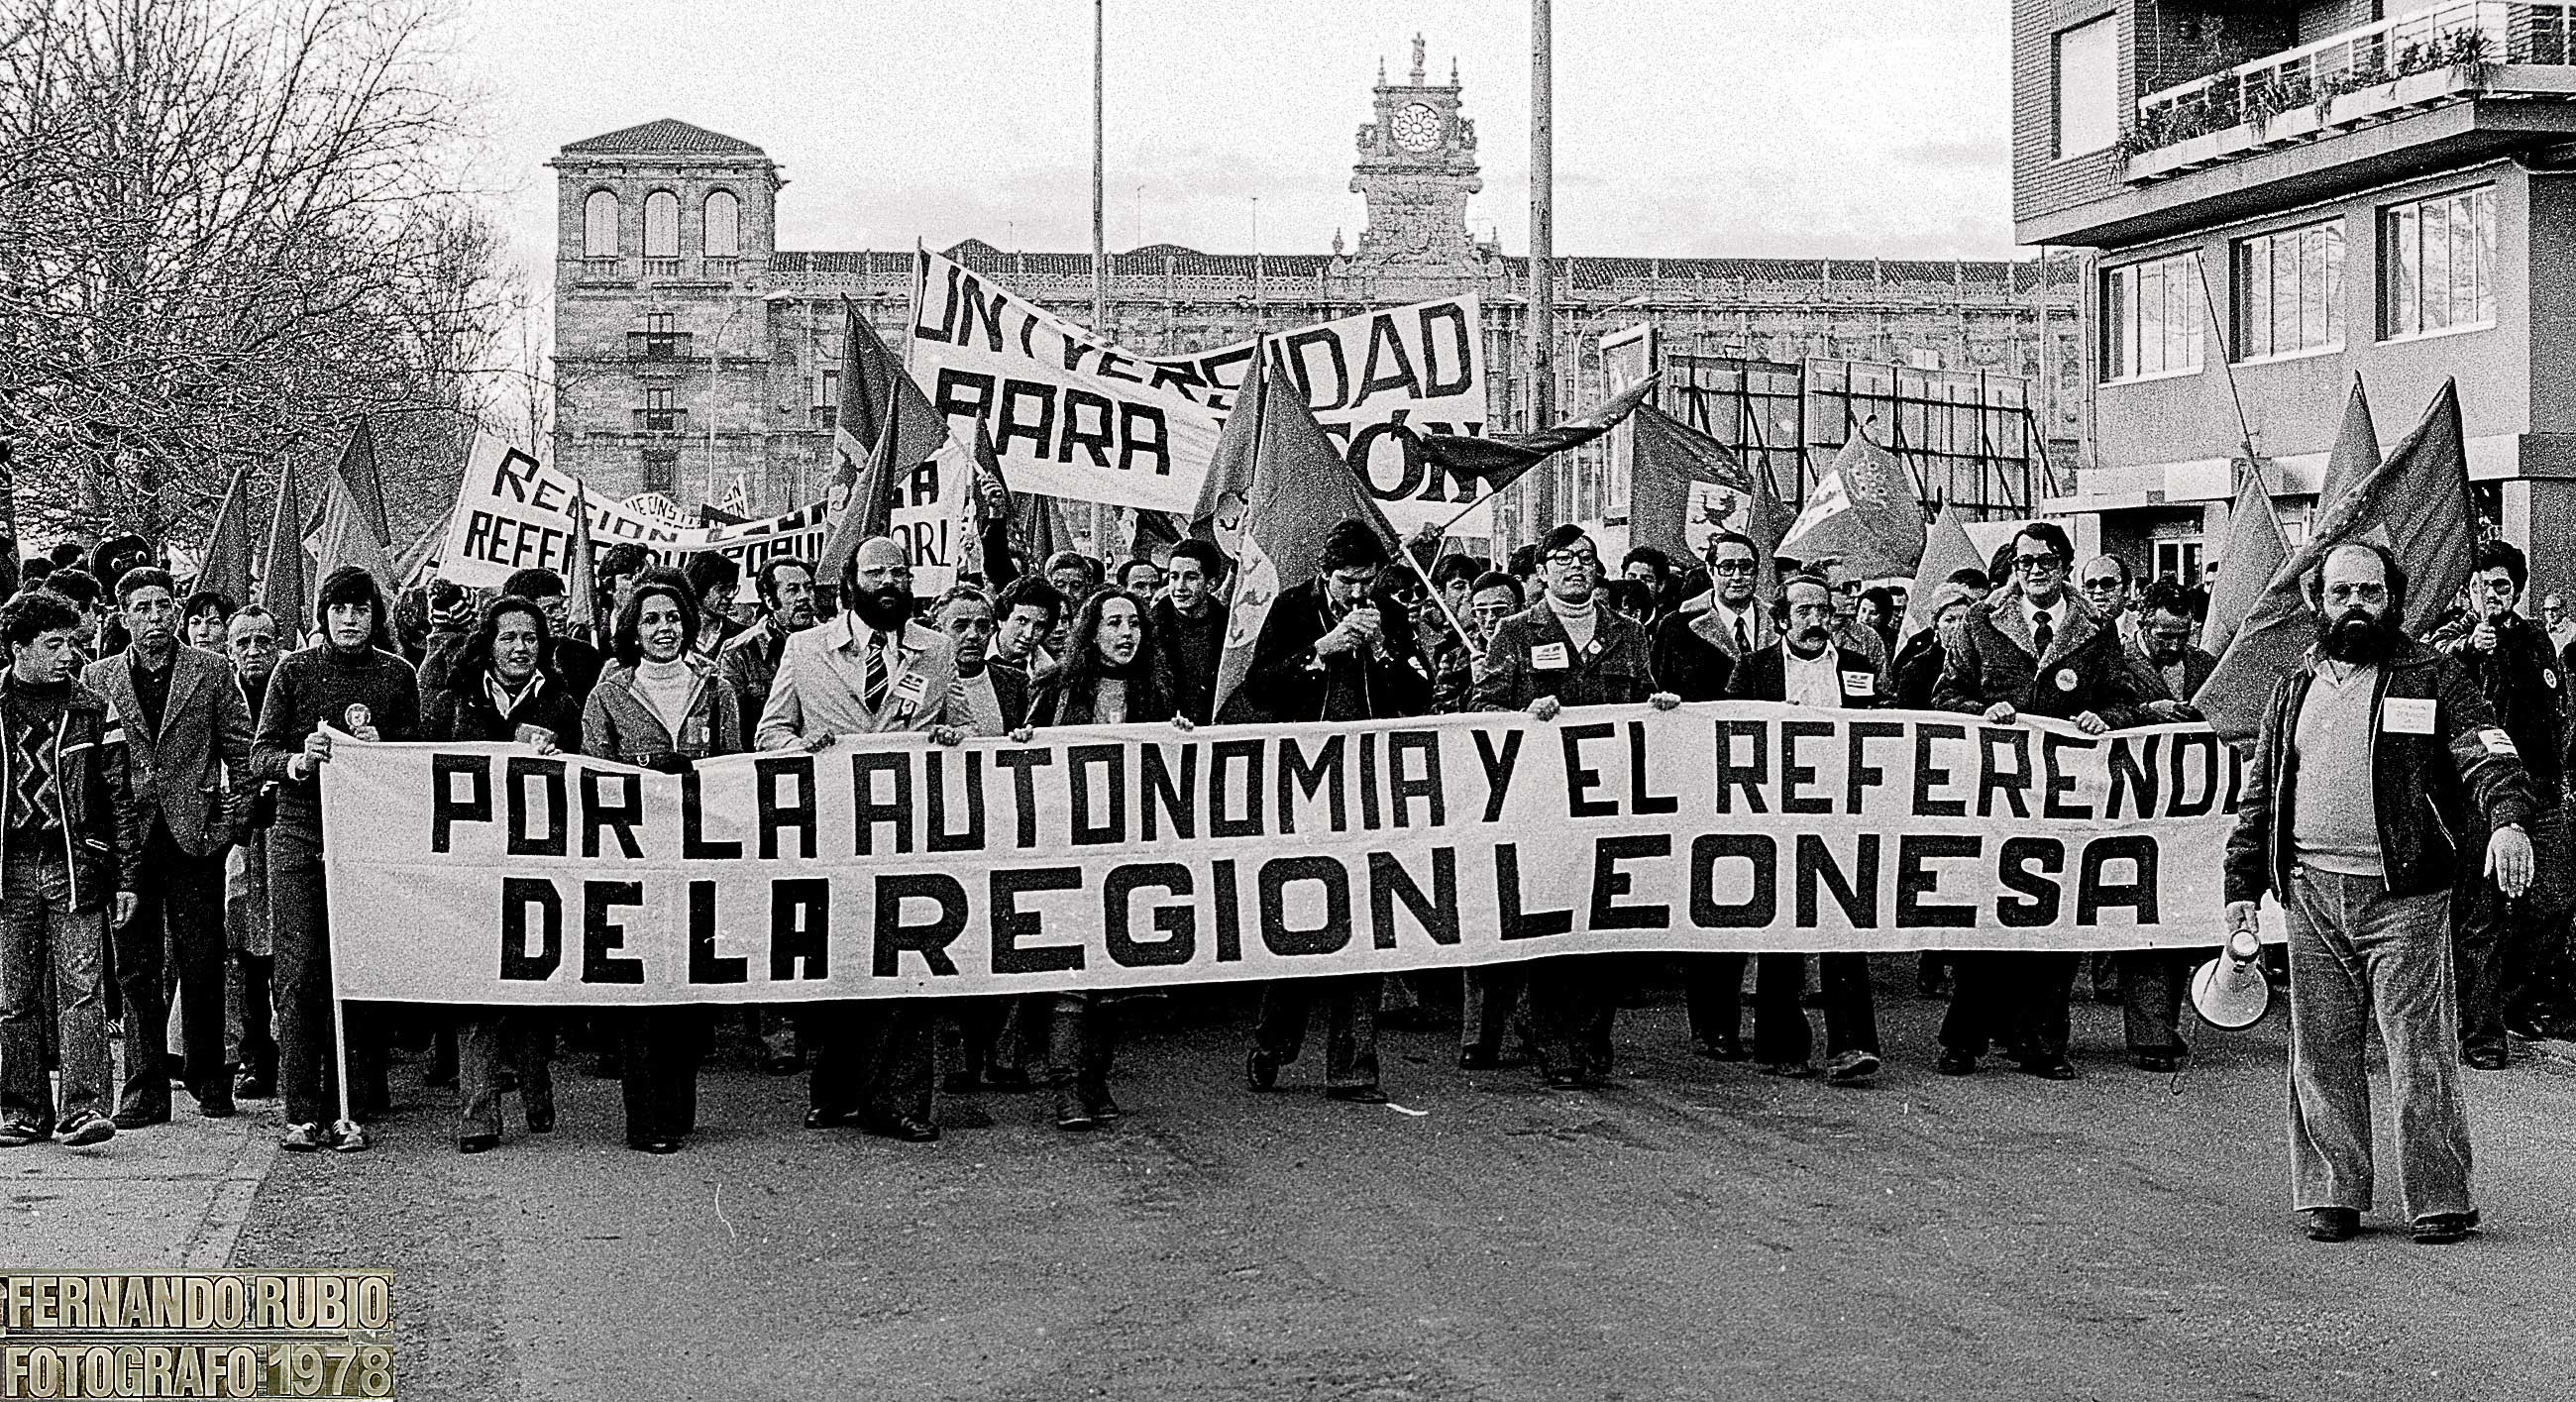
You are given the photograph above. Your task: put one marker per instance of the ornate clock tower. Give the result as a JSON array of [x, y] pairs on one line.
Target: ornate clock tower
[[1417, 167]]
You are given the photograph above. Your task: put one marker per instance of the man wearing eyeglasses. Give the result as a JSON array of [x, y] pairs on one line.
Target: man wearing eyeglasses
[[2502, 951], [2377, 766], [1569, 651], [2034, 649], [2108, 587], [1696, 649]]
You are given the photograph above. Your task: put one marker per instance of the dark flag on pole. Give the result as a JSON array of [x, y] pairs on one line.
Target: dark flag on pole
[[876, 396], [1499, 460], [2416, 503], [283, 589], [224, 564], [366, 486]]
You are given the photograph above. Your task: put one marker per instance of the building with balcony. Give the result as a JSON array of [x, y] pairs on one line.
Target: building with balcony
[[2274, 197], [690, 351]]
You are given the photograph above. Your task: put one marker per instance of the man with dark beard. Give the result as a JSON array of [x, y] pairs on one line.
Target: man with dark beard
[[869, 672], [2374, 753]]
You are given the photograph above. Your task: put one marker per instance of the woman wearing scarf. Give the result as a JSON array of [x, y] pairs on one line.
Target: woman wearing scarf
[[661, 707], [1111, 675], [502, 688]]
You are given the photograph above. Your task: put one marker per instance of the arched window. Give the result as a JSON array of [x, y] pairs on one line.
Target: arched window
[[661, 225], [599, 225], [724, 225]]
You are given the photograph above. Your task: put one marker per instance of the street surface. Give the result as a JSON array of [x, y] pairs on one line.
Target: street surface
[[1697, 1231]]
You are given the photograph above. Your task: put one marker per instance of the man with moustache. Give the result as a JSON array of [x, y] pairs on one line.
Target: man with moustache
[[2378, 760], [750, 658], [1808, 668], [868, 672]]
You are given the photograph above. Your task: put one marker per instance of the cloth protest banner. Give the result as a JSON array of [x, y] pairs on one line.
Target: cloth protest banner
[[513, 512], [1075, 417], [1122, 856]]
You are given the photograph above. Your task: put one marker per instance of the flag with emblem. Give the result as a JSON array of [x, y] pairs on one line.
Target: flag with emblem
[[1862, 512], [2417, 503]]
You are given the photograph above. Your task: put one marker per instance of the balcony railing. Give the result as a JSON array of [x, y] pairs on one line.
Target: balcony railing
[[661, 267], [661, 421], [658, 345], [2426, 40], [601, 267], [720, 269]]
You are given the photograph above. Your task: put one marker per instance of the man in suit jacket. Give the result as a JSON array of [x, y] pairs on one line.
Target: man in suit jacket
[[1808, 668], [749, 659], [1569, 651], [2037, 649], [1696, 648], [185, 723], [868, 672], [1694, 655]]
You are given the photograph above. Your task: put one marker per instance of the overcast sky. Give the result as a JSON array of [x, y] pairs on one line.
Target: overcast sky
[[1722, 127]]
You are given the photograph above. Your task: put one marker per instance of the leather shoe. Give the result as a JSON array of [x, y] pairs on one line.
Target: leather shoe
[[2333, 1223], [251, 1086], [1073, 1117], [1104, 1109], [1956, 1064], [655, 1146], [2160, 1063], [1473, 1059], [1357, 1095], [477, 1143], [216, 1106], [142, 1119], [1261, 1070], [2052, 1069], [2487, 1059], [1007, 1078], [907, 1129], [820, 1118], [541, 1119], [1565, 1080], [2443, 1228]]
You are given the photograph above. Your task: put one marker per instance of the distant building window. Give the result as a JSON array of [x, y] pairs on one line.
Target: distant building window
[[2151, 318], [724, 225], [2437, 263], [2289, 291], [2088, 88], [661, 225], [599, 225], [661, 469], [661, 336]]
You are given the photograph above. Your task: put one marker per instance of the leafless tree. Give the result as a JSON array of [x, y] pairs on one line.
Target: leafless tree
[[228, 229]]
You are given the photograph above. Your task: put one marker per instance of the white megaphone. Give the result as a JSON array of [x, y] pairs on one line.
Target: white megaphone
[[2230, 991]]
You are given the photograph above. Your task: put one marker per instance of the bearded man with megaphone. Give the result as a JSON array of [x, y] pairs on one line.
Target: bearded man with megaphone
[[2380, 770]]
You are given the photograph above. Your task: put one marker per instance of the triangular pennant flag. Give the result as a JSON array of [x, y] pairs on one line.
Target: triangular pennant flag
[[2255, 550], [1218, 516], [1946, 551], [284, 588], [366, 485], [223, 564], [581, 581], [2356, 450], [347, 538], [2417, 503], [876, 396]]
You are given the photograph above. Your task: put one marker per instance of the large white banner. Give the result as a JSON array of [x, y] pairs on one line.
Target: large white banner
[[1075, 417], [514, 512], [1129, 855]]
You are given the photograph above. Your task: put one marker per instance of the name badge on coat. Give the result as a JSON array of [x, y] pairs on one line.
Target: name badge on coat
[[1860, 684], [2408, 715], [1548, 657]]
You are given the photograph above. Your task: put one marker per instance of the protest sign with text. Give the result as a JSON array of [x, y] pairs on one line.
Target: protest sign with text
[[1132, 855], [513, 513]]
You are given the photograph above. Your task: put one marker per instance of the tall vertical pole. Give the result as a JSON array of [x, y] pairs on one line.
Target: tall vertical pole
[[1099, 208], [1542, 235]]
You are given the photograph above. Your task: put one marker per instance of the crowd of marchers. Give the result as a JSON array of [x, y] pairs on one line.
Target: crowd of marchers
[[163, 874]]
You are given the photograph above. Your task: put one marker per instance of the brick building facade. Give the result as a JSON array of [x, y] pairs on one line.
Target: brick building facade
[[690, 350]]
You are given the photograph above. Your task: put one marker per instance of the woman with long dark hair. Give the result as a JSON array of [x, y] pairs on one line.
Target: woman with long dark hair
[[664, 708], [502, 688], [1112, 674]]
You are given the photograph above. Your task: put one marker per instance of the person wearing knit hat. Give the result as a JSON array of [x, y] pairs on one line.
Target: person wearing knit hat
[[1563, 651]]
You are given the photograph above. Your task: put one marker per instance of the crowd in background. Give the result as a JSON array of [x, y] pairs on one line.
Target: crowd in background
[[163, 838]]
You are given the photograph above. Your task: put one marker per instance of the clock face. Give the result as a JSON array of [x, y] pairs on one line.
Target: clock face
[[1417, 128]]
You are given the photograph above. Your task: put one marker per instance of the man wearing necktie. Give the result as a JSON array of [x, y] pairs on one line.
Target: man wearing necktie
[[2037, 650], [869, 672]]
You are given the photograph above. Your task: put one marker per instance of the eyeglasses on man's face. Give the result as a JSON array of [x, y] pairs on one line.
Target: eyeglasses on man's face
[[2037, 564], [1732, 567]]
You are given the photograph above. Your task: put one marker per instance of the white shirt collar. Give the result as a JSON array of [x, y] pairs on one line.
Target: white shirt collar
[[2055, 613]]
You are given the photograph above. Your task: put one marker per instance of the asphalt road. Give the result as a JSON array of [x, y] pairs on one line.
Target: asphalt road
[[1696, 1231]]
